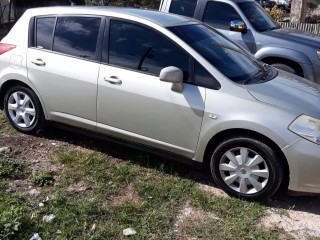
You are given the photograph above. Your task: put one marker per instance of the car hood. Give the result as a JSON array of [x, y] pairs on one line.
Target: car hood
[[295, 35], [291, 92]]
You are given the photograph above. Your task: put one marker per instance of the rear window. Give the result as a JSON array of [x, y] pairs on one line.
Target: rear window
[[183, 7], [77, 36]]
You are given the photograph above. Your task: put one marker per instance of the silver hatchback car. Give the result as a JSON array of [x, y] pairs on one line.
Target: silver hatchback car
[[164, 82]]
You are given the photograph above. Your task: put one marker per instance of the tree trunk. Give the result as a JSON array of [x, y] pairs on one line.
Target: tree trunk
[[298, 11]]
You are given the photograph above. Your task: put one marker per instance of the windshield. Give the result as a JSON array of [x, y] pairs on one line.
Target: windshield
[[231, 60], [260, 20]]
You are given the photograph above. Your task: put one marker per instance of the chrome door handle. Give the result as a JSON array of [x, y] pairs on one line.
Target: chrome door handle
[[113, 80], [38, 62]]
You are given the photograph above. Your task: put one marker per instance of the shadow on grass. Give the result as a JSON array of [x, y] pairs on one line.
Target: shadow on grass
[[306, 203]]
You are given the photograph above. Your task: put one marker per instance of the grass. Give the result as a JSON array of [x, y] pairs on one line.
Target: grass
[[96, 196], [5, 126], [41, 179]]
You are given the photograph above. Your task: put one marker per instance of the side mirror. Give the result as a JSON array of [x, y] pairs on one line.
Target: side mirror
[[172, 75], [238, 26]]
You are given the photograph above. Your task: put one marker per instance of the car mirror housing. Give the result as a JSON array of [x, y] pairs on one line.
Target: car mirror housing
[[172, 75], [238, 26]]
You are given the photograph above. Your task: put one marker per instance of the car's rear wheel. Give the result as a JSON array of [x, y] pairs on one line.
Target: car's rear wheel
[[23, 109], [247, 168]]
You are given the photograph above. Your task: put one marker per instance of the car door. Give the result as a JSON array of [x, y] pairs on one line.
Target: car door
[[63, 66], [134, 104], [219, 15]]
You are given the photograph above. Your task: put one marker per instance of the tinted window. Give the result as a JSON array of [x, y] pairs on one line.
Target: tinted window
[[231, 60], [44, 32], [183, 7], [203, 78], [257, 16], [139, 48], [77, 36], [219, 15]]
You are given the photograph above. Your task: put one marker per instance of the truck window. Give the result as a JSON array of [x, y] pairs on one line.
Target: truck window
[[183, 7], [219, 15]]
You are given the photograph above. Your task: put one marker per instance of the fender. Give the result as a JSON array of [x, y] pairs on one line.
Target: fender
[[285, 53]]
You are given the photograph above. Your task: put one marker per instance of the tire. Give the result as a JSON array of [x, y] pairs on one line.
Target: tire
[[246, 168], [284, 67], [23, 109]]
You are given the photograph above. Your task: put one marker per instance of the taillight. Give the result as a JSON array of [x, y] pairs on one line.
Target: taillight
[[6, 47]]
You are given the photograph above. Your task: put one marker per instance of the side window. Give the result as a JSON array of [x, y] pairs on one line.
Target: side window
[[183, 7], [77, 36], [203, 78], [219, 15], [44, 32], [139, 48]]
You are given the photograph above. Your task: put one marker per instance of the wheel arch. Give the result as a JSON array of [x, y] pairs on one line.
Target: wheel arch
[[13, 82], [295, 65], [285, 55], [219, 137]]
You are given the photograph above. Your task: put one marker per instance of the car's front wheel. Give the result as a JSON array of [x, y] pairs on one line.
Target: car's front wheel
[[247, 168], [23, 109]]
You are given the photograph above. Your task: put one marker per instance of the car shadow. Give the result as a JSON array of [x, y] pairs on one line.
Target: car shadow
[[309, 203]]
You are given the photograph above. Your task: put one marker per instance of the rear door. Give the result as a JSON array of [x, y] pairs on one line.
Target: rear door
[[134, 104], [63, 64]]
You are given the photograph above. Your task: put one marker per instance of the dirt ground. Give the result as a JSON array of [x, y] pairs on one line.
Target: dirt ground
[[297, 215]]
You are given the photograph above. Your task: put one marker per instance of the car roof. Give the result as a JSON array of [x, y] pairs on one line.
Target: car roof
[[160, 18]]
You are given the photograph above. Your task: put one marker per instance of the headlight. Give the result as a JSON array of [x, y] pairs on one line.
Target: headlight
[[318, 53], [307, 127]]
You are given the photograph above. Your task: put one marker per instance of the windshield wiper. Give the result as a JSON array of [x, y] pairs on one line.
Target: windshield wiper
[[262, 71]]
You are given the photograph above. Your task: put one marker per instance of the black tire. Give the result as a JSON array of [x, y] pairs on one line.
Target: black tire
[[245, 175], [30, 115], [285, 67]]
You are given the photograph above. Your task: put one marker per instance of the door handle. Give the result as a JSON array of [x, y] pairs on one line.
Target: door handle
[[38, 62], [113, 80]]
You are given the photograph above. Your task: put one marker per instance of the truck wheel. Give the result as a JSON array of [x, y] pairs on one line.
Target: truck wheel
[[284, 67], [23, 109], [246, 168]]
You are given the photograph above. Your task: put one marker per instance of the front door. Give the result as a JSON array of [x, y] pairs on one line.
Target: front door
[[134, 104]]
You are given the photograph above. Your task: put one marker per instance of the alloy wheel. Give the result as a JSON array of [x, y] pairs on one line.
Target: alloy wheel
[[21, 109]]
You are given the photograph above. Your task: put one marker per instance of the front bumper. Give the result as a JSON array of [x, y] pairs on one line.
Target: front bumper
[[304, 165]]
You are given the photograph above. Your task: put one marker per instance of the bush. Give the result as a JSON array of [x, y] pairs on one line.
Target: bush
[[275, 12]]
